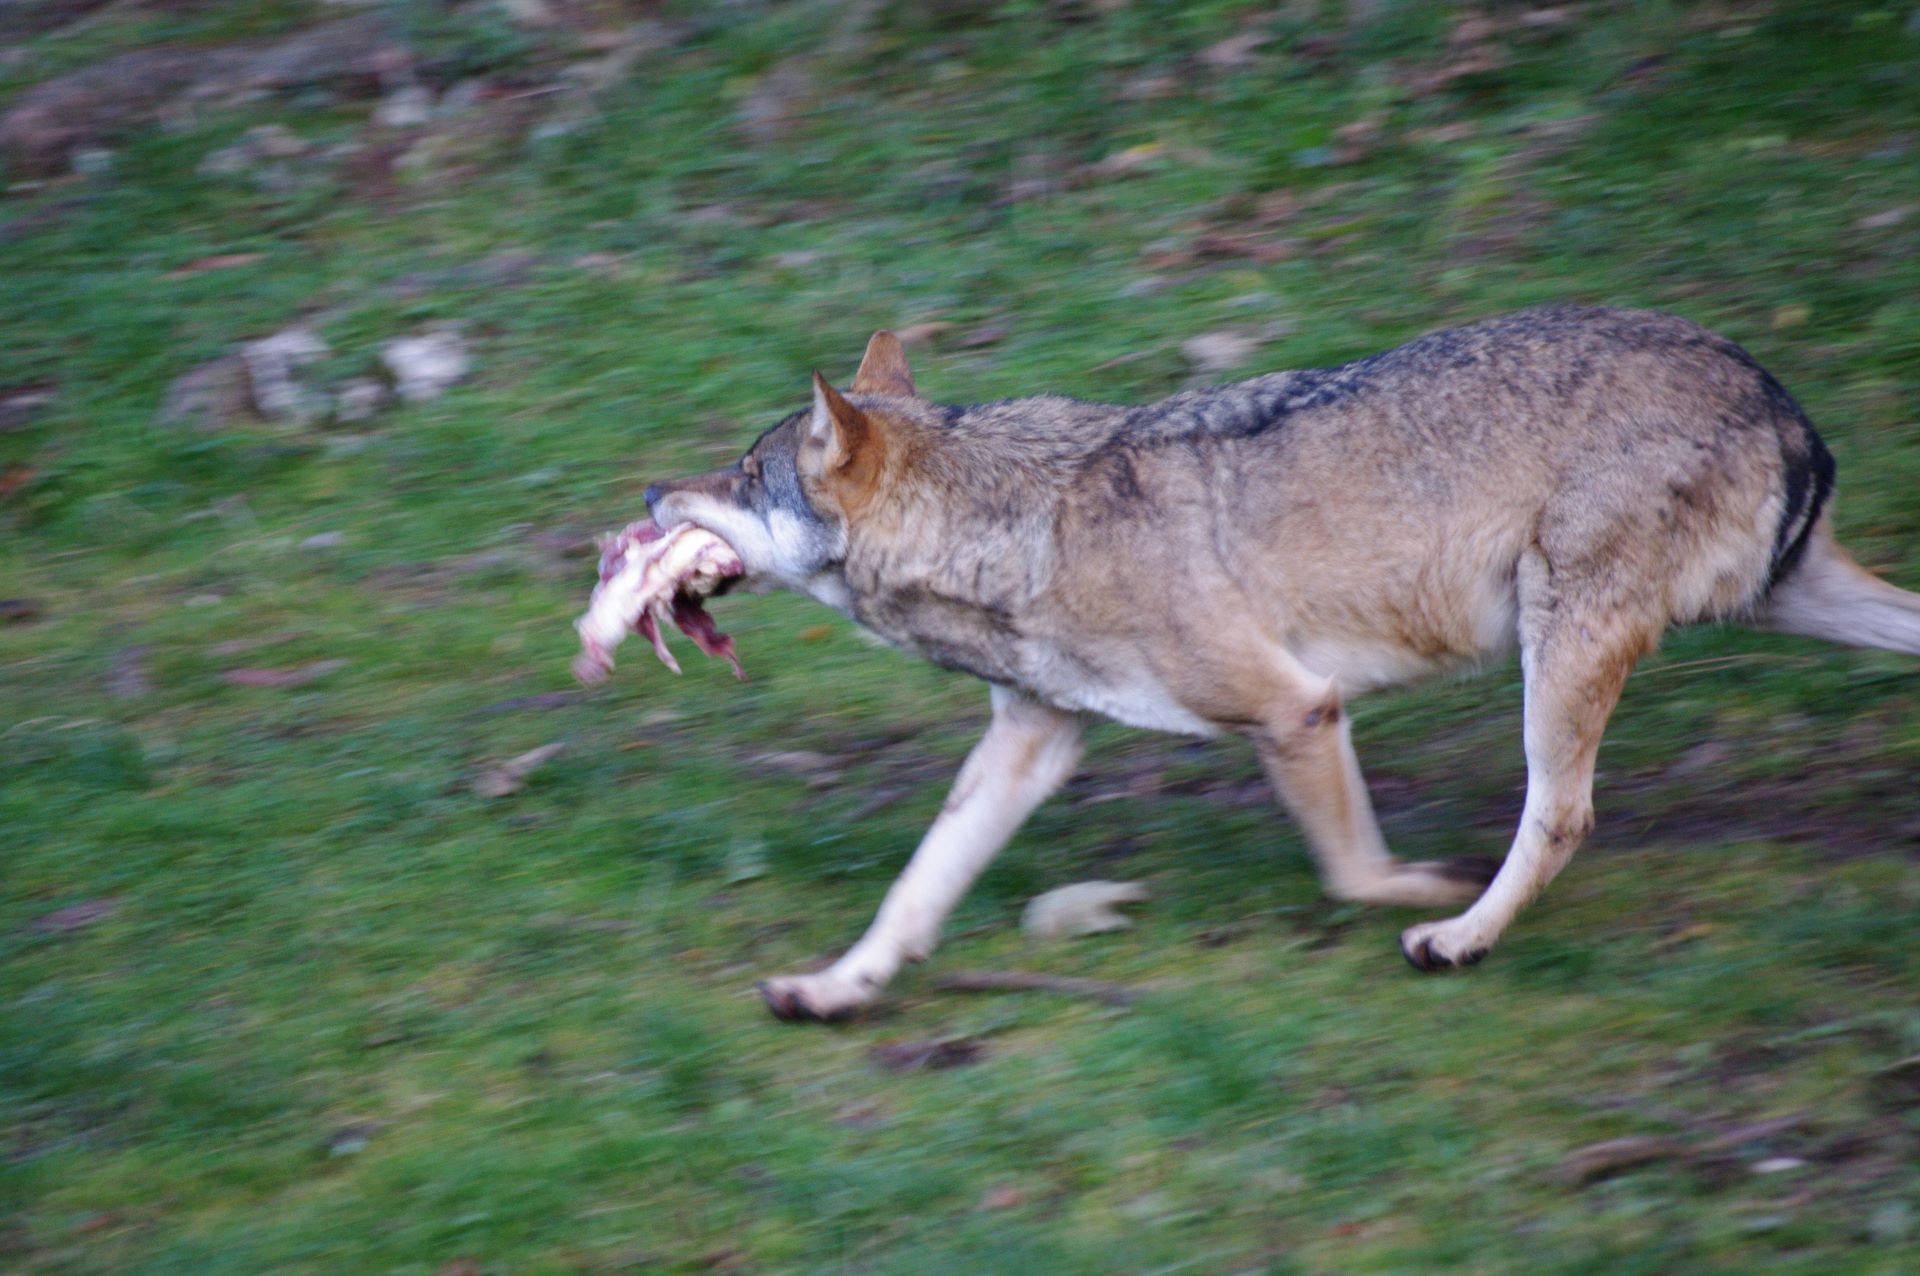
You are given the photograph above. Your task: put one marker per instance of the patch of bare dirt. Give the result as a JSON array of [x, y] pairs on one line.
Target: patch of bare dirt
[[50, 121], [1675, 804]]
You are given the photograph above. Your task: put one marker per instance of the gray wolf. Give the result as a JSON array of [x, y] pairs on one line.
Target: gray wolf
[[1566, 481]]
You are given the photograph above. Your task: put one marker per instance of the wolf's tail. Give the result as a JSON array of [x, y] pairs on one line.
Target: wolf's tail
[[1825, 594]]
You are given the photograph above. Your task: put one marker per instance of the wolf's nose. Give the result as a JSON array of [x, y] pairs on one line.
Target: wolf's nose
[[652, 494]]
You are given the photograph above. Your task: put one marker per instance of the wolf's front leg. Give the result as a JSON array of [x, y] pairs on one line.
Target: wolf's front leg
[[1027, 753]]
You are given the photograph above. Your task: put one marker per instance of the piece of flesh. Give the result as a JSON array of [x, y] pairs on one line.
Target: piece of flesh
[[648, 576]]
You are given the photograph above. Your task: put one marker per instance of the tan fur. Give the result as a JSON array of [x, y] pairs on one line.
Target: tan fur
[[1570, 482], [856, 454], [883, 369]]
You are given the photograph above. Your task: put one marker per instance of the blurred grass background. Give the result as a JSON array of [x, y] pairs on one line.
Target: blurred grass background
[[280, 992]]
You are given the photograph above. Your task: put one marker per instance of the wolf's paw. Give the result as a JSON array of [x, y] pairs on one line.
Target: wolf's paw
[[822, 998], [1426, 883], [1442, 945]]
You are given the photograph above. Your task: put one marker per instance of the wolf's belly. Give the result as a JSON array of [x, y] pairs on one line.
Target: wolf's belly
[[1055, 675], [1123, 690], [1358, 665]]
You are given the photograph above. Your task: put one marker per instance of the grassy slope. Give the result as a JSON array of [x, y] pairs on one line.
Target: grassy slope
[[349, 1017]]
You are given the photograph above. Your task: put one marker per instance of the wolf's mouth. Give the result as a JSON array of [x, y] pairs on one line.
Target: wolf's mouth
[[648, 575]]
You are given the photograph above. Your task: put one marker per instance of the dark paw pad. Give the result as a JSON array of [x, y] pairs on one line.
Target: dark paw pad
[[1420, 956], [787, 1005], [1423, 956]]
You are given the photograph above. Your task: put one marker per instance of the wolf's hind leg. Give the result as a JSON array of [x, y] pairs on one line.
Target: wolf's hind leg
[[1306, 748], [1027, 753], [1575, 653]]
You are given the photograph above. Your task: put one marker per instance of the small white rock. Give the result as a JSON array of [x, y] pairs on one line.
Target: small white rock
[[263, 142], [276, 141], [532, 13], [324, 540], [271, 362], [424, 366], [1777, 1165], [407, 107], [1084, 908], [226, 161], [1218, 351], [1882, 220]]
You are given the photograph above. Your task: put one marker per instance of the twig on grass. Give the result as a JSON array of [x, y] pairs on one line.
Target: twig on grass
[[1031, 981]]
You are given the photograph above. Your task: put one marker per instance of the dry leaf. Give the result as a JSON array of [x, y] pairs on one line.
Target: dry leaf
[[1001, 1198], [236, 646], [986, 334], [1885, 219], [1898, 1084], [296, 676], [13, 479], [1259, 248], [777, 98], [1084, 908], [74, 917], [1778, 1165], [1472, 28], [1685, 935], [127, 672], [351, 1138], [1130, 160], [1235, 51], [1594, 1161], [1149, 86], [912, 1056], [920, 333], [511, 776], [19, 404], [219, 261], [1541, 18]]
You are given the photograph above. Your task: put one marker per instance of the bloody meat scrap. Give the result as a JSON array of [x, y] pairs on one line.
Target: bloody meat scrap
[[648, 576]]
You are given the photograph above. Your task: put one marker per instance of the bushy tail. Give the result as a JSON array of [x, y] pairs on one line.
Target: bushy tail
[[1828, 595]]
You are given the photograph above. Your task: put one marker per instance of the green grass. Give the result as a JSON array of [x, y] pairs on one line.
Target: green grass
[[343, 1015]]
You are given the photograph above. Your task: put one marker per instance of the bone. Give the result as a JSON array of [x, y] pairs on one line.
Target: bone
[[646, 576]]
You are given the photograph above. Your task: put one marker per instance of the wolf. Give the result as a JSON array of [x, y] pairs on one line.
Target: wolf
[[1566, 481]]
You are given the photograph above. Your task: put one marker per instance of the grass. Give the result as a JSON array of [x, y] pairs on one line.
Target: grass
[[330, 1011]]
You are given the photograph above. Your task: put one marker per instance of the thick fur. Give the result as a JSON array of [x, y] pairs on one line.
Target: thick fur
[[1567, 481]]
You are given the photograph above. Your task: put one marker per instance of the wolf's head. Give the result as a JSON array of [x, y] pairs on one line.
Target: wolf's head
[[785, 505]]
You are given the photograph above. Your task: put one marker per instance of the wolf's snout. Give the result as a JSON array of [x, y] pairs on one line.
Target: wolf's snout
[[653, 493]]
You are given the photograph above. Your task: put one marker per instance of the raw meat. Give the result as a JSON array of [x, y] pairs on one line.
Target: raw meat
[[648, 576]]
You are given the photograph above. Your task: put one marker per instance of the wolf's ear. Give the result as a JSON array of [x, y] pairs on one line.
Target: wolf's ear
[[838, 430], [884, 368]]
